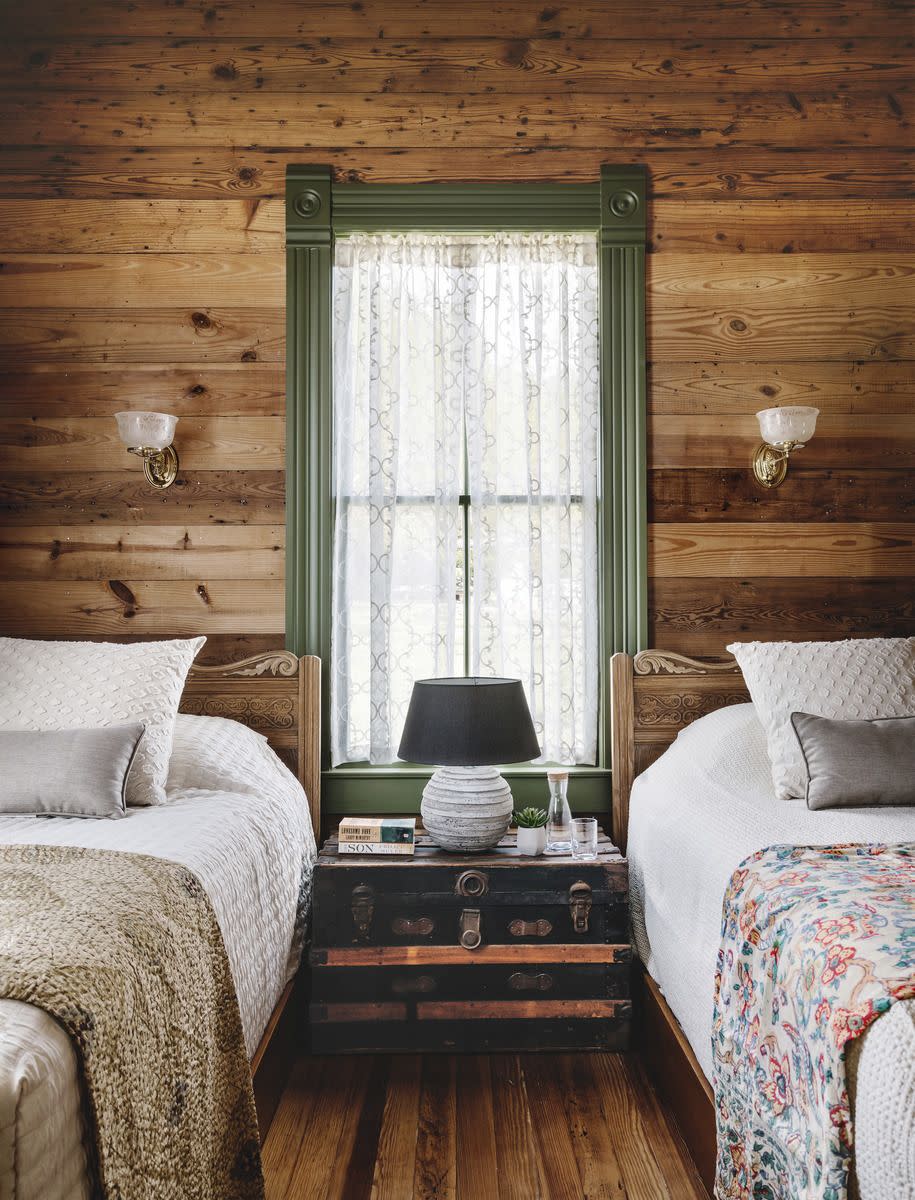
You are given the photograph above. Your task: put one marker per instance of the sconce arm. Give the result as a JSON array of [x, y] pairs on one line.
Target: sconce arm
[[159, 466], [770, 463]]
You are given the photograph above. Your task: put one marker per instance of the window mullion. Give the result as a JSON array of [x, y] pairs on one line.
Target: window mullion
[[465, 507]]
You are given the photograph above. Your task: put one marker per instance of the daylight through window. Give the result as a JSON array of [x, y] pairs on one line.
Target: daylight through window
[[466, 447]]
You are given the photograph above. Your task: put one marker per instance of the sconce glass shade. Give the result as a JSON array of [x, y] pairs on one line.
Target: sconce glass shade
[[152, 430], [794, 424], [149, 435]]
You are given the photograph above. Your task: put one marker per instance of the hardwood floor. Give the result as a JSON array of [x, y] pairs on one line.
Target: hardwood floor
[[475, 1127]]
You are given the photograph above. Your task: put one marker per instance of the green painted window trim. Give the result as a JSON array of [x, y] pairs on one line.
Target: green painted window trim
[[317, 210]]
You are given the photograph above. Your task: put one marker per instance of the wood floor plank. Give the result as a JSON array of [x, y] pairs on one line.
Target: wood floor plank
[[601, 1177], [355, 1181], [477, 1159], [435, 1168], [329, 1137], [475, 1127], [290, 1126], [394, 1163], [637, 1156], [552, 1137], [520, 1176], [669, 1151]]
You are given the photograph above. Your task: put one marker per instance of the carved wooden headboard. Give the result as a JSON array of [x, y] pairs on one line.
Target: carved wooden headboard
[[277, 694], [653, 696]]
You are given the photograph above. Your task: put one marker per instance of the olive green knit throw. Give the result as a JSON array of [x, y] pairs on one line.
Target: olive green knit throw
[[125, 952]]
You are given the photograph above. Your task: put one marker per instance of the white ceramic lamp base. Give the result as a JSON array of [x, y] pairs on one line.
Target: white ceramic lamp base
[[466, 808]]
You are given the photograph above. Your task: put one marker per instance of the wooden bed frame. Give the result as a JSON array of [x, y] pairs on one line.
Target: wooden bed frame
[[279, 695], [653, 696]]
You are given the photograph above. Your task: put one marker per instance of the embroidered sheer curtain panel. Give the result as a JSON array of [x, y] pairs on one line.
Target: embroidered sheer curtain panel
[[466, 435]]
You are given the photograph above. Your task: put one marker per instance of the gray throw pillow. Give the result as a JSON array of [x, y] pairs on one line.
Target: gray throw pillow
[[67, 772], [857, 764]]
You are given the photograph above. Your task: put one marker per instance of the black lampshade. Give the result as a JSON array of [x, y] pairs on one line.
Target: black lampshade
[[474, 722]]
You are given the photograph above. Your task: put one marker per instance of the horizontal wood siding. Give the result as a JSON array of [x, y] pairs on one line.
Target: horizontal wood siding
[[141, 263]]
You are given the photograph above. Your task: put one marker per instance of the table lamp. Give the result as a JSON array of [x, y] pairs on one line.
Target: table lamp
[[466, 727]]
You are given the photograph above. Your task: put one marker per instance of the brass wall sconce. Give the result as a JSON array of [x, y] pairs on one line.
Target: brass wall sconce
[[149, 435], [783, 431]]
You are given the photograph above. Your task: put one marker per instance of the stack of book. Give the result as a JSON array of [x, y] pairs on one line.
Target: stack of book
[[377, 835]]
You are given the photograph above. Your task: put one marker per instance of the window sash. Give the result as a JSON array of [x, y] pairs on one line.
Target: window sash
[[502, 331]]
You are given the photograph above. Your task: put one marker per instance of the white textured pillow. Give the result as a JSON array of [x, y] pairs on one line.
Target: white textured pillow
[[80, 685], [216, 754], [859, 679]]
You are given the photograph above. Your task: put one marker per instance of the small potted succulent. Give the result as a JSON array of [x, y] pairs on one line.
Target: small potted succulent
[[531, 824]]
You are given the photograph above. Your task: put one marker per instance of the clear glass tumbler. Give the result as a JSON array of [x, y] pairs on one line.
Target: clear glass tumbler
[[584, 838]]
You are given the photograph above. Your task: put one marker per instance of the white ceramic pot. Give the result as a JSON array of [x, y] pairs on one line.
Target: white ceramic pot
[[532, 841]]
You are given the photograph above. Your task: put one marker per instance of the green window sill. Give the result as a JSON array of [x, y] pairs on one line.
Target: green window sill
[[386, 790]]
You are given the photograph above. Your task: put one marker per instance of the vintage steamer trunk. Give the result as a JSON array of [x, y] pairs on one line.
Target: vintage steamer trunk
[[470, 952]]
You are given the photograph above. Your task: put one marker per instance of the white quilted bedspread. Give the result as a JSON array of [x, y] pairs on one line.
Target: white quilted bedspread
[[240, 821], [695, 814]]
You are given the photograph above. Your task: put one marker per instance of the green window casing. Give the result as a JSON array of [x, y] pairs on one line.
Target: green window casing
[[317, 208]]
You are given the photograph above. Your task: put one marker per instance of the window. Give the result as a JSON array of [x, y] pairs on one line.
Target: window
[[465, 486], [466, 442]]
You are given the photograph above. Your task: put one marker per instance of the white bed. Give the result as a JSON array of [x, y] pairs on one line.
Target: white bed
[[694, 815], [238, 819]]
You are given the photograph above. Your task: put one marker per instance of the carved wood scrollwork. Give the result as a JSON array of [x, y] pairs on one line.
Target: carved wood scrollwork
[[280, 662], [667, 662], [275, 712], [682, 708]]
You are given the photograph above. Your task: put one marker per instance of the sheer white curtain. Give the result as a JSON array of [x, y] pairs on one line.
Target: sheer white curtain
[[454, 354], [398, 471], [532, 403]]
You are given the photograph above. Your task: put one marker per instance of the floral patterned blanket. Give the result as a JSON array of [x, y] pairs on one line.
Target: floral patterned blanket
[[816, 943]]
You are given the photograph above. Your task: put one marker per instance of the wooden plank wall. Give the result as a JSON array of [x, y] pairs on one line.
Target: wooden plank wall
[[141, 242]]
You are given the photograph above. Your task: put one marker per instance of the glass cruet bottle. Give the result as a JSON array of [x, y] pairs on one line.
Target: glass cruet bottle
[[559, 817]]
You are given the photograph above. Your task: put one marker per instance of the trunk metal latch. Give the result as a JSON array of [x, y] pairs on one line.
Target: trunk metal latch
[[470, 929], [362, 907], [580, 904]]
